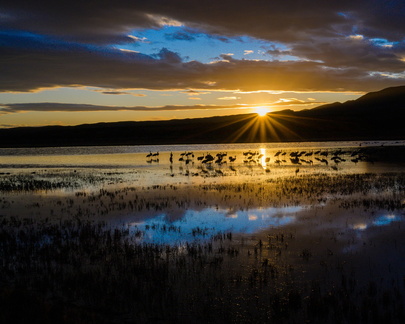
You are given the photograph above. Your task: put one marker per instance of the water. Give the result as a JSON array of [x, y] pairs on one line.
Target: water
[[200, 199], [135, 156], [264, 227], [125, 149], [201, 225]]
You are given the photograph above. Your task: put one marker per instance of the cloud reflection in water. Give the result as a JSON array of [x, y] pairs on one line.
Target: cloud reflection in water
[[198, 225], [379, 221]]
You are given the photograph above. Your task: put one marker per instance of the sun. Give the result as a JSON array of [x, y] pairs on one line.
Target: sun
[[261, 111]]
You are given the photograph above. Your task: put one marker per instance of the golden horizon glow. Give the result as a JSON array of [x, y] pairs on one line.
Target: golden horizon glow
[[261, 111]]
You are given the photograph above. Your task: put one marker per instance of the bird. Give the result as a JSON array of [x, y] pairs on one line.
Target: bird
[[295, 161], [219, 172]]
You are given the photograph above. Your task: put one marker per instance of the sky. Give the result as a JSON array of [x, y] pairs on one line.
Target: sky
[[75, 62]]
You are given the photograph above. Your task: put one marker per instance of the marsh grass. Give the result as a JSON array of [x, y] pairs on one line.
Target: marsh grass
[[86, 272]]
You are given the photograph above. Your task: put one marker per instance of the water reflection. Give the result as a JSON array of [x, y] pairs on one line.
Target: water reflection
[[263, 158], [382, 220], [197, 225]]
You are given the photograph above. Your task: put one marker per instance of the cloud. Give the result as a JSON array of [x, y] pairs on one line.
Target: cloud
[[280, 21], [247, 52], [228, 98], [36, 63], [294, 102], [69, 43], [274, 51], [354, 52], [122, 93], [194, 92], [301, 22], [168, 56], [180, 35], [68, 107], [138, 39]]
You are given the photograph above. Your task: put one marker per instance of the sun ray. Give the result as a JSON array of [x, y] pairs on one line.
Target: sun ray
[[251, 128], [240, 132]]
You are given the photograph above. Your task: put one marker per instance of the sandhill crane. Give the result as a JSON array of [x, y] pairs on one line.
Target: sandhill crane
[[219, 172], [324, 161], [295, 161], [232, 168], [324, 153]]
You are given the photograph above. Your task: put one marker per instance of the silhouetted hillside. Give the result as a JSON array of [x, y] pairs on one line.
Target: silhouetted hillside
[[376, 115]]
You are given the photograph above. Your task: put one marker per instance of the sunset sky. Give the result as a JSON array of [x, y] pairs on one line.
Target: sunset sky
[[74, 62]]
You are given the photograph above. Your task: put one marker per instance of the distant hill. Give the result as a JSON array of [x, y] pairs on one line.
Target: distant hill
[[376, 115]]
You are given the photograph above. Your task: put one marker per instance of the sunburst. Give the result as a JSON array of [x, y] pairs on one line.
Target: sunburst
[[261, 111]]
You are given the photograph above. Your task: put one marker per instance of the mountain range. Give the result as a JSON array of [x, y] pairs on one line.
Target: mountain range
[[374, 116]]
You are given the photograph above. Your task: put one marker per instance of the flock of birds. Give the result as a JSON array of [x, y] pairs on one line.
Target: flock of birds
[[280, 157]]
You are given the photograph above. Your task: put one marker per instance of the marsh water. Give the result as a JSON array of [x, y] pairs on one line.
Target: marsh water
[[332, 211], [182, 174]]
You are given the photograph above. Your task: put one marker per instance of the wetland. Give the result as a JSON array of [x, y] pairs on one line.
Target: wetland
[[242, 233]]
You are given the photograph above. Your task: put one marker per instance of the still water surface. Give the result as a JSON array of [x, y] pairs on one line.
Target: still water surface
[[102, 176]]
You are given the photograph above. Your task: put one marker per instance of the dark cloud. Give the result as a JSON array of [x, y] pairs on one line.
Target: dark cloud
[[180, 36], [167, 56], [354, 51], [31, 64], [108, 21], [277, 52], [66, 43], [122, 93], [67, 107]]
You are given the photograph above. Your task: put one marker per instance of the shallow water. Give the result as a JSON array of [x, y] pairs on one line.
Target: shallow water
[[251, 237], [125, 186]]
